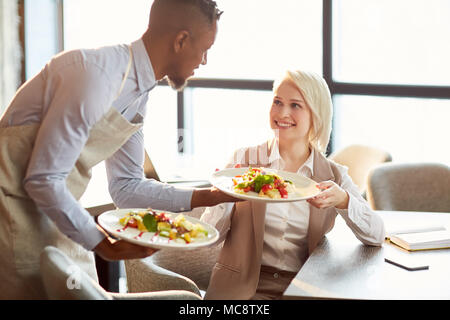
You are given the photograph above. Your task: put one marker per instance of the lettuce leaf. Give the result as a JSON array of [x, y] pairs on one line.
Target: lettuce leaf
[[150, 223]]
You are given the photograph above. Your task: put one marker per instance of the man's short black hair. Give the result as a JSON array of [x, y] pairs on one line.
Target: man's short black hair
[[207, 7]]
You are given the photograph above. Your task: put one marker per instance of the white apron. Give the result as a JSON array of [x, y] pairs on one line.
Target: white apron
[[24, 231]]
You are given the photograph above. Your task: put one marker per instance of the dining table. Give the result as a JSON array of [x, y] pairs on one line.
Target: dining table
[[342, 267]]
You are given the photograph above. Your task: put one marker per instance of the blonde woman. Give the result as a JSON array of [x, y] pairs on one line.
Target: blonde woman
[[267, 244]]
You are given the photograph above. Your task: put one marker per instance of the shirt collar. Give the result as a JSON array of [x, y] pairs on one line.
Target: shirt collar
[[275, 156], [144, 70], [274, 151]]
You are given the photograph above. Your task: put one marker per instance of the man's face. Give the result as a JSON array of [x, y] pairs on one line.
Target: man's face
[[191, 57]]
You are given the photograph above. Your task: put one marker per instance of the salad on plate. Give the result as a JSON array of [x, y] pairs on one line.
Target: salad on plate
[[162, 224], [264, 183]]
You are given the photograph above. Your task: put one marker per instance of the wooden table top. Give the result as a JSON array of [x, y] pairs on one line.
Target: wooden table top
[[341, 267]]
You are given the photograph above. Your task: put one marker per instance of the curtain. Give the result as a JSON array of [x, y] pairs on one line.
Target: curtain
[[10, 52]]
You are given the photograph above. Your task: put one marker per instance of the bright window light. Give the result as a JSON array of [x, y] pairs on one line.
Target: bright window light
[[412, 130], [257, 39], [91, 24], [394, 42]]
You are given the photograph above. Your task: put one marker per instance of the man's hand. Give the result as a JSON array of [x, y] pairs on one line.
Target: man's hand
[[209, 197], [113, 250]]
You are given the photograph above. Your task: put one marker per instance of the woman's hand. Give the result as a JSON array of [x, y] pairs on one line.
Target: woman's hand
[[331, 196], [113, 250]]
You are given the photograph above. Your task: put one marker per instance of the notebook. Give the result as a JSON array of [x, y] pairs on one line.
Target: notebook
[[412, 227], [422, 240]]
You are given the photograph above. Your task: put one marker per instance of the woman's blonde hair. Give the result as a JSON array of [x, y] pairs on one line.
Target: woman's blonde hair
[[317, 95]]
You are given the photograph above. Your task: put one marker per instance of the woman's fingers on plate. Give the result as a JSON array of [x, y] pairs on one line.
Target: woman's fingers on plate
[[320, 203], [326, 192], [325, 185], [322, 195], [322, 200]]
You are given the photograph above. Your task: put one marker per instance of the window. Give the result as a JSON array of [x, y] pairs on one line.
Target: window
[[42, 34], [389, 76], [412, 130], [107, 22], [90, 24], [394, 42], [257, 39], [256, 42], [223, 120]]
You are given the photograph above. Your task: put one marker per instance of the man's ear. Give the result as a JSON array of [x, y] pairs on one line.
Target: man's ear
[[181, 40]]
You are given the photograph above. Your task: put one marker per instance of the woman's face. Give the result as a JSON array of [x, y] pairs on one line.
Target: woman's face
[[290, 115]]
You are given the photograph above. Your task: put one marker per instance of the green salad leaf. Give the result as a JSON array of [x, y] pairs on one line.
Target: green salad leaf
[[262, 180], [242, 185], [150, 222]]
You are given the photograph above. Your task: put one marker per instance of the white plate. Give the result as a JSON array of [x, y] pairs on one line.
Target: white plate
[[110, 222], [305, 187]]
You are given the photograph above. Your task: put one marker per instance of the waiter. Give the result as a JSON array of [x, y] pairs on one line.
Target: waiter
[[86, 106]]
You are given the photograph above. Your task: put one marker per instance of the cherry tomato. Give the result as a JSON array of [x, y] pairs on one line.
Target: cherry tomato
[[132, 223], [266, 188], [283, 193]]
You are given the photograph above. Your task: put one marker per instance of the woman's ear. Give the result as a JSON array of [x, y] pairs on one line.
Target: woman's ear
[[180, 40]]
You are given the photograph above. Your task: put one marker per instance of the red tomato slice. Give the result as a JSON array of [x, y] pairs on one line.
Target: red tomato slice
[[132, 223], [266, 188], [283, 193]]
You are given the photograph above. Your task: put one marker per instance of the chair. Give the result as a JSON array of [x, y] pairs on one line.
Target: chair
[[179, 269], [410, 187], [360, 159], [63, 280]]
